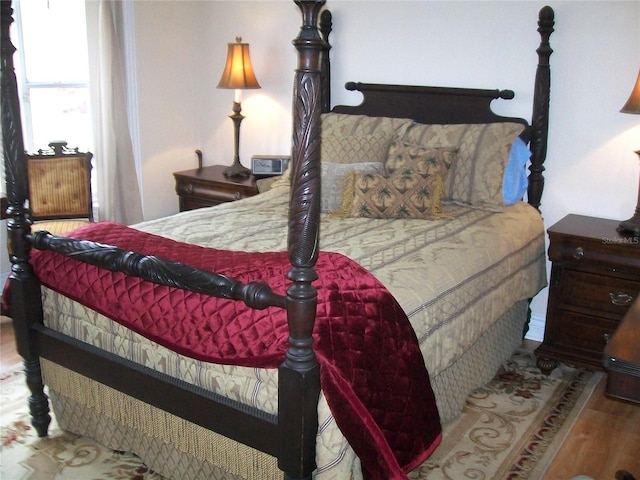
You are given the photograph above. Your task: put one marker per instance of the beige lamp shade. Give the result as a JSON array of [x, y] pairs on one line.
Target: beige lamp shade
[[633, 104], [238, 72]]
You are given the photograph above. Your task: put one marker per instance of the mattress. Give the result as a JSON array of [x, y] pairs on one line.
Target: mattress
[[454, 278]]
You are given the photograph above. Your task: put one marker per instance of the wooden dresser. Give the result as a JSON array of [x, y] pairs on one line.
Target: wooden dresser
[[208, 186], [595, 276]]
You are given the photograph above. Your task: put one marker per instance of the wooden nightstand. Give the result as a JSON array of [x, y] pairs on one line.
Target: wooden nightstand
[[595, 275], [208, 186]]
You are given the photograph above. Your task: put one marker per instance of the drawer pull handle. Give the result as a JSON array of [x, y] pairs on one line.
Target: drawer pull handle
[[237, 196], [606, 337], [189, 188], [620, 299], [578, 253]]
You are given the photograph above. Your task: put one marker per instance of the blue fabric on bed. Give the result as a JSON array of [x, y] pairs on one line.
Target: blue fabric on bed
[[514, 182]]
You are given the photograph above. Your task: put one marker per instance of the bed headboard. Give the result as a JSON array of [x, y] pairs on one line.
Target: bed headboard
[[443, 105], [427, 104]]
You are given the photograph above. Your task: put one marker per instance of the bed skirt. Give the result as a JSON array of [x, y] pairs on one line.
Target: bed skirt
[[169, 445], [182, 450], [479, 364]]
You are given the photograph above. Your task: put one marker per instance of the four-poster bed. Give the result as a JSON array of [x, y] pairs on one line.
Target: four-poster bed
[[335, 356]]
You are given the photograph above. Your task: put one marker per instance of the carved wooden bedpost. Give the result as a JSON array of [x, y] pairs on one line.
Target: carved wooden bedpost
[[540, 116], [299, 375], [26, 306], [326, 25]]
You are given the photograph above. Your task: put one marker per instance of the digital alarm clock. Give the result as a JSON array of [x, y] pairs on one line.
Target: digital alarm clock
[[269, 164]]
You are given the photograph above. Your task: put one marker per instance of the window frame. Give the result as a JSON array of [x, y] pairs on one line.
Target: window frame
[[25, 87]]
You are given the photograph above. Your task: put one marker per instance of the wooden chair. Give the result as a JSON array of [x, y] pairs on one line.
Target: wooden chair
[[59, 188]]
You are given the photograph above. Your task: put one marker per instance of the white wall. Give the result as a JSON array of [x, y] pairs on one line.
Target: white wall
[[181, 48], [591, 167]]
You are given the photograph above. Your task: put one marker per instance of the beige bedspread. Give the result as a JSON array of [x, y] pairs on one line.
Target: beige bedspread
[[453, 277], [464, 271]]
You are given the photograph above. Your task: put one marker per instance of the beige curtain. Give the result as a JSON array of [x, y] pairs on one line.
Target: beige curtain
[[118, 192]]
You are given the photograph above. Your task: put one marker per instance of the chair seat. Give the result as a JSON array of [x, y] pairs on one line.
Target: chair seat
[[59, 227]]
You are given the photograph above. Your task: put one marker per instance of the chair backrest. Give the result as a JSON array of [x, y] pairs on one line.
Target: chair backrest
[[60, 183]]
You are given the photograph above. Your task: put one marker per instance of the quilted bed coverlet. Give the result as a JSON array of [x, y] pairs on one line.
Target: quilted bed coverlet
[[372, 370]]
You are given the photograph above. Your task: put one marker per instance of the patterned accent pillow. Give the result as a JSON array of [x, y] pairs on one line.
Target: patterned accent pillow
[[414, 190], [404, 194], [333, 181], [420, 159], [476, 176]]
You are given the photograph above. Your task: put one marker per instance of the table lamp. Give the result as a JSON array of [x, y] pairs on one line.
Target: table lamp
[[238, 74], [632, 226]]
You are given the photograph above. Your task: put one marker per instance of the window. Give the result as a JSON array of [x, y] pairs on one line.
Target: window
[[52, 69]]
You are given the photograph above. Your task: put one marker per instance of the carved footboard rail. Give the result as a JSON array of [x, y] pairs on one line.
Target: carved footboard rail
[[159, 270]]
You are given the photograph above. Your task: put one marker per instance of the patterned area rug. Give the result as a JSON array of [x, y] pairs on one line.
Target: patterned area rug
[[510, 429]]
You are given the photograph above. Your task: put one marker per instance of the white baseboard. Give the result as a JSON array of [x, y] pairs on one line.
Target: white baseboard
[[536, 328]]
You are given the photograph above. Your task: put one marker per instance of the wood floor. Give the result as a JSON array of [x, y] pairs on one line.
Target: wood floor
[[605, 439]]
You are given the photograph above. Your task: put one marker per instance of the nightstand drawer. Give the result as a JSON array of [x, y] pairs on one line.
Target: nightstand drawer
[[192, 203], [222, 194], [610, 252], [209, 186], [585, 332], [599, 293]]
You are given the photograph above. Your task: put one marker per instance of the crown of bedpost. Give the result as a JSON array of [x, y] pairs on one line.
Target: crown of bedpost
[[546, 22], [309, 42]]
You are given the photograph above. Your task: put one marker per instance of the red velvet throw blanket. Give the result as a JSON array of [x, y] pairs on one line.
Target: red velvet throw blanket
[[372, 372]]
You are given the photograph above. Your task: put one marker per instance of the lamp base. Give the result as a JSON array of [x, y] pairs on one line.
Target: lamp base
[[237, 170], [631, 226]]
